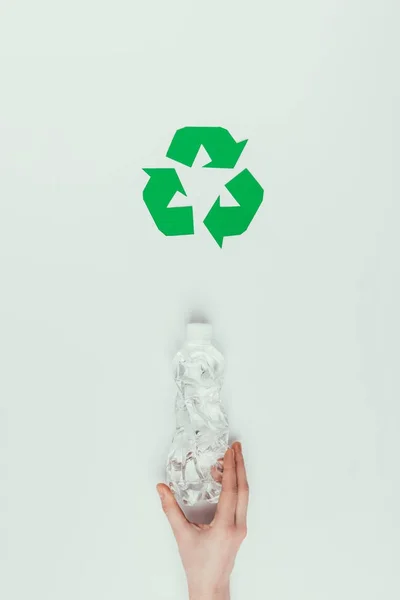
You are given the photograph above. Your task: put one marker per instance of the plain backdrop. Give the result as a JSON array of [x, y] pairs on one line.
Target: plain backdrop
[[94, 299]]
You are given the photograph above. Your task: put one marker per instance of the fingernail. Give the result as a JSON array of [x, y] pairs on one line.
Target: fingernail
[[238, 447], [161, 493]]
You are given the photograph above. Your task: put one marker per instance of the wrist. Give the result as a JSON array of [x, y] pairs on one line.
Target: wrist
[[219, 592]]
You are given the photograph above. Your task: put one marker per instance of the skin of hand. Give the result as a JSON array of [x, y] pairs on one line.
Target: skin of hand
[[208, 552]]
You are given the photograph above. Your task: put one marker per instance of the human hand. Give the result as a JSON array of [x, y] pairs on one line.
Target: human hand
[[208, 552]]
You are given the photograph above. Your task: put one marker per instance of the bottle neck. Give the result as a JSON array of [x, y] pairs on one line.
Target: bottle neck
[[202, 342]]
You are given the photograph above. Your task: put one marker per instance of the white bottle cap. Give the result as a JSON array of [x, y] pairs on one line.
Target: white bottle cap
[[199, 332]]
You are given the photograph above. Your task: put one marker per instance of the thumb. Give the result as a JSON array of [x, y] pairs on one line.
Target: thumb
[[172, 510]]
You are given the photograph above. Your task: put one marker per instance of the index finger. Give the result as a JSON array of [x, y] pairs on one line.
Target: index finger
[[226, 508], [243, 486]]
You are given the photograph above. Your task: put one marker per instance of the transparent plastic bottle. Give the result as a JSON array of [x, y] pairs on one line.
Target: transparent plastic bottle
[[194, 463]]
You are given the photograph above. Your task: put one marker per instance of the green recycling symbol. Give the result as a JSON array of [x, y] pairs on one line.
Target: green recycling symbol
[[221, 221]]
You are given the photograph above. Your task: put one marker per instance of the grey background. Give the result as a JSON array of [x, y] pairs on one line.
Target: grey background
[[94, 299]]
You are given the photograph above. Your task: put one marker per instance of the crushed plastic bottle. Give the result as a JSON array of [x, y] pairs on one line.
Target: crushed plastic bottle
[[194, 463]]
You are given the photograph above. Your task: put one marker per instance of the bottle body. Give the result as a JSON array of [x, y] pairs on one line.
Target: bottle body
[[201, 438]]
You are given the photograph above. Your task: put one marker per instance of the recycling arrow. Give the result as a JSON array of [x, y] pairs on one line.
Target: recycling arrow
[[222, 148], [224, 152], [223, 221], [158, 193]]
